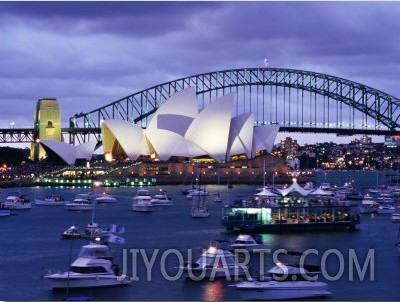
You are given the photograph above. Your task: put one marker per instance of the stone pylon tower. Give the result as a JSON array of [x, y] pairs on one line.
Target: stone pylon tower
[[47, 120]]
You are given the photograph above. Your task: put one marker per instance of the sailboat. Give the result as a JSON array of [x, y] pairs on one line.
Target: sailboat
[[199, 209]]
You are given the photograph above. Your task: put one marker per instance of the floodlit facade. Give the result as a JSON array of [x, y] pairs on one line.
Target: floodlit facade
[[47, 121], [178, 128]]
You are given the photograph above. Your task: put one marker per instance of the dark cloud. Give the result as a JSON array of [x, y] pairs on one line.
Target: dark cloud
[[90, 53]]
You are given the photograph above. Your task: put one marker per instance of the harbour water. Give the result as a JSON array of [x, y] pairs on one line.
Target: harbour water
[[31, 246]]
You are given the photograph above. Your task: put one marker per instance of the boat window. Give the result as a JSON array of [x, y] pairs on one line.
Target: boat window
[[98, 252], [88, 270]]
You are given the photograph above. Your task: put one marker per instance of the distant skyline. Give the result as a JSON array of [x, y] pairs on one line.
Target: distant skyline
[[88, 54]]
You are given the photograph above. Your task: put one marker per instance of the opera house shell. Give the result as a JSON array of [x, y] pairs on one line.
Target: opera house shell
[[178, 128], [69, 153]]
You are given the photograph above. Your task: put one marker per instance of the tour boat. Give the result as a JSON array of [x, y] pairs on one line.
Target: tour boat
[[215, 262], [94, 267], [270, 218]]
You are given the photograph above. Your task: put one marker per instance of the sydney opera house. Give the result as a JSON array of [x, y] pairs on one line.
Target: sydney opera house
[[179, 129]]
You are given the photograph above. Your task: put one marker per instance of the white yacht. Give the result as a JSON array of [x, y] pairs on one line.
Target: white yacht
[[197, 192], [71, 233], [51, 200], [368, 205], [94, 267], [161, 199], [248, 243], [82, 202], [215, 262], [386, 209], [105, 198], [396, 217], [4, 212], [16, 201], [285, 281], [142, 201]]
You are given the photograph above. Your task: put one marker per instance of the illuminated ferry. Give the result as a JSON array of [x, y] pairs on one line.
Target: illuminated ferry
[[288, 217]]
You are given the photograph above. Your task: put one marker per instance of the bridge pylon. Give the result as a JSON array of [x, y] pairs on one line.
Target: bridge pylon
[[47, 122]]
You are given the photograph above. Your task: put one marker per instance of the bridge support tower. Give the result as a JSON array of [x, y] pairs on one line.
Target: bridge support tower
[[47, 122]]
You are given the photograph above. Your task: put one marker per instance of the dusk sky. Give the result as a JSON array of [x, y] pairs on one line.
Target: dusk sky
[[88, 54]]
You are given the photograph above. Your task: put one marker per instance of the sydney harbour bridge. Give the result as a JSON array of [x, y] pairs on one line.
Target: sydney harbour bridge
[[296, 100]]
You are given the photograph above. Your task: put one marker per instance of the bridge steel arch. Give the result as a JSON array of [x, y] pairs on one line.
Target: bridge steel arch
[[297, 100]]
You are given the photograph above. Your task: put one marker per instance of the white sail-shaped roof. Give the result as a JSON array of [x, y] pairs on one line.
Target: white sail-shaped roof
[[85, 150], [264, 137], [65, 151], [241, 135], [184, 147], [170, 122], [129, 136], [163, 142], [176, 113], [210, 129]]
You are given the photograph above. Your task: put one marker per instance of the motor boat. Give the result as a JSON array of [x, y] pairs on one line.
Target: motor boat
[[197, 192], [71, 233], [215, 262], [51, 200], [142, 201], [396, 217], [289, 280], [4, 212], [217, 198], [94, 267], [105, 198], [386, 209], [81, 202], [248, 243], [368, 205], [161, 199], [16, 201], [282, 290], [93, 229]]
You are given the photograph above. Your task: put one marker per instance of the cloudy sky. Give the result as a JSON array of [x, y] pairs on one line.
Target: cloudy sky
[[88, 54]]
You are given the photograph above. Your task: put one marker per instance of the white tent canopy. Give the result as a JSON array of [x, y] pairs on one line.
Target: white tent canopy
[[294, 187], [266, 193], [319, 191]]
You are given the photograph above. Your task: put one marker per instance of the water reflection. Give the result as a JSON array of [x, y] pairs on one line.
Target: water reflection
[[213, 291]]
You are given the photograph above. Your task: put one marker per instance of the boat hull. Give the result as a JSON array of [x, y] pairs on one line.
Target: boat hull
[[59, 281], [198, 274], [79, 207], [4, 213], [42, 202], [142, 208], [284, 290], [17, 206]]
